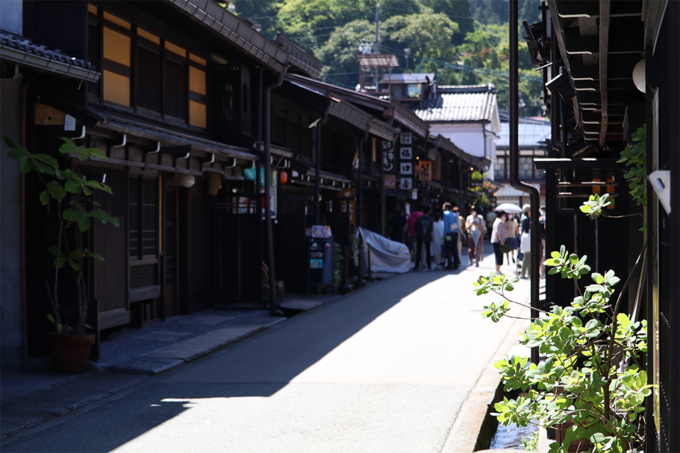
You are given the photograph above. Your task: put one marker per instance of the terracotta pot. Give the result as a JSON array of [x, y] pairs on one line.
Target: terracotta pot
[[70, 352], [578, 445]]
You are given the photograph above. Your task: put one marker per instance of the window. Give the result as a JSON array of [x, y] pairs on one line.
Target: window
[[499, 169], [143, 218], [526, 165], [155, 77], [116, 67], [198, 109], [414, 90]]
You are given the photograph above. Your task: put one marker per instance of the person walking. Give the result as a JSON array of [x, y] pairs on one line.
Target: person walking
[[411, 223], [451, 230], [499, 234], [397, 224], [474, 224], [424, 228], [438, 242], [512, 227], [462, 236], [525, 228]]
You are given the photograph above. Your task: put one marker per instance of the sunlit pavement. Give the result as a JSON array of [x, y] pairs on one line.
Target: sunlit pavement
[[385, 369]]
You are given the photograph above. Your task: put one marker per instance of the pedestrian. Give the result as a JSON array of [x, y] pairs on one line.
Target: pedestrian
[[438, 241], [490, 219], [541, 226], [411, 223], [451, 230], [513, 228], [462, 235], [474, 224], [525, 228], [499, 234], [424, 227], [397, 224]]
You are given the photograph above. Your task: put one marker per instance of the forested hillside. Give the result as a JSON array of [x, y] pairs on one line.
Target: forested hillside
[[464, 42]]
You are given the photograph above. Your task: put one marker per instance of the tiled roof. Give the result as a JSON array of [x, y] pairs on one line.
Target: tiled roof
[[408, 78], [530, 134], [19, 50], [459, 103]]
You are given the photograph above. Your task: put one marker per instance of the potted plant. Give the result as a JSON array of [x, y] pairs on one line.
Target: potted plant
[[71, 192]]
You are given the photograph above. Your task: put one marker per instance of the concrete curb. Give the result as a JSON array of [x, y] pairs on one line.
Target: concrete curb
[[469, 426]]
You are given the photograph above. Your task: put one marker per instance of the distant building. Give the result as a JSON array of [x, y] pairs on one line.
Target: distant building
[[466, 115], [532, 136]]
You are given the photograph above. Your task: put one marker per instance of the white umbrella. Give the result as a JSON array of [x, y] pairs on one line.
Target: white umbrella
[[509, 208]]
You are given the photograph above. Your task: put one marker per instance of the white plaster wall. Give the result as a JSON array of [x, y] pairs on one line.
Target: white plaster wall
[[470, 138]]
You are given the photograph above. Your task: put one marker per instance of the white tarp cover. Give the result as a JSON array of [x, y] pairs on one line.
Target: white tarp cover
[[386, 255]]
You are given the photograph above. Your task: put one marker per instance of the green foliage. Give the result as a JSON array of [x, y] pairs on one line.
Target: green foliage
[[592, 374], [484, 190], [427, 35], [72, 192], [530, 443], [636, 159], [339, 53]]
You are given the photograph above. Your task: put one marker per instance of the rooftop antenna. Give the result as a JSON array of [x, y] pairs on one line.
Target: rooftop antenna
[[376, 47]]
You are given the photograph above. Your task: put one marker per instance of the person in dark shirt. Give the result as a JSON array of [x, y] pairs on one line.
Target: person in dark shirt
[[397, 224], [424, 227]]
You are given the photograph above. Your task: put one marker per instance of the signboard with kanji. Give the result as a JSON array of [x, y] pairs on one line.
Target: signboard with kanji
[[406, 183], [405, 138], [406, 168], [406, 153]]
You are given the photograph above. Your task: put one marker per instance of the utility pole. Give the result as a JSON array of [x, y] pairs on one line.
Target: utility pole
[[376, 46]]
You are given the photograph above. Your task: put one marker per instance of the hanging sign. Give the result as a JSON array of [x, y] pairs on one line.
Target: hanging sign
[[388, 159], [406, 183], [406, 168], [406, 153], [405, 138], [424, 170]]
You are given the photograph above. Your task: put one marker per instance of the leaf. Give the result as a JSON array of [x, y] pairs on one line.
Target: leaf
[[68, 147], [25, 165], [74, 264], [49, 160], [44, 197], [84, 223], [97, 256], [11, 143], [51, 318], [17, 153], [73, 186]]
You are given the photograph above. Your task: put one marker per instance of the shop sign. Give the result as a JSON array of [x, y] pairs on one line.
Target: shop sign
[[390, 181], [406, 153], [424, 170], [406, 168], [406, 183], [405, 138]]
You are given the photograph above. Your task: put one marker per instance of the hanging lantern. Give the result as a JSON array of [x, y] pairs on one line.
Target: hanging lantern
[[284, 177]]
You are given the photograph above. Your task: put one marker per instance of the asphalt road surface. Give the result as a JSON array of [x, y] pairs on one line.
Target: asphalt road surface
[[384, 369]]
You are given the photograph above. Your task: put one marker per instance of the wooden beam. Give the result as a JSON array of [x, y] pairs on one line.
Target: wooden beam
[[605, 7]]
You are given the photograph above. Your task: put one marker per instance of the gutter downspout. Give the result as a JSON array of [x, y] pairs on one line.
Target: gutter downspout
[[383, 196], [22, 236], [273, 308], [317, 168], [514, 167], [360, 211]]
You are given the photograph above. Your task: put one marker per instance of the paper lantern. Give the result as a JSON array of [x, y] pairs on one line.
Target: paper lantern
[[284, 177]]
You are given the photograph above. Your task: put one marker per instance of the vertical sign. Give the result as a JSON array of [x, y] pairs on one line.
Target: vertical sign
[[424, 170], [388, 156]]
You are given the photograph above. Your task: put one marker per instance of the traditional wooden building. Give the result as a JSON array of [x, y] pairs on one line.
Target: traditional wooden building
[[614, 69]]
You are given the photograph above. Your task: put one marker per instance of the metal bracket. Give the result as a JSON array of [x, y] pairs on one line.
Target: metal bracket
[[81, 135], [122, 144]]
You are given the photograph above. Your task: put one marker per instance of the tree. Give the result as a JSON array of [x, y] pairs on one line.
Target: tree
[[262, 12], [459, 12], [339, 52], [427, 35]]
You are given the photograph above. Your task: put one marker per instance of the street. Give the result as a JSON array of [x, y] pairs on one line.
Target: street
[[384, 369]]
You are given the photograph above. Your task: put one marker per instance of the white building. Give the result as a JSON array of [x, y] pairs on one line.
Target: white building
[[468, 116]]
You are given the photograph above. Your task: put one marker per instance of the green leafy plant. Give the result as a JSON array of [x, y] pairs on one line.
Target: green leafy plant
[[592, 375], [72, 193], [636, 159]]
